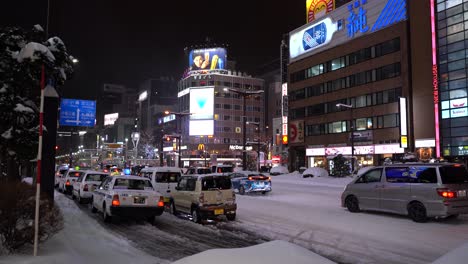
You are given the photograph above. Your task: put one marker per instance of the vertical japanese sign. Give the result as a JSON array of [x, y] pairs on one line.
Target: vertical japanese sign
[[435, 80], [284, 108], [318, 8]]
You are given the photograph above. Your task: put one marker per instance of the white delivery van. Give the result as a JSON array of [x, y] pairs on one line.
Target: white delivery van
[[164, 179]]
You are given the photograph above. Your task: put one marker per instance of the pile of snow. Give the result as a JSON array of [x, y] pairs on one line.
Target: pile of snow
[[274, 252], [278, 170], [315, 172], [23, 109], [28, 180], [7, 134], [54, 43], [297, 178], [30, 50]]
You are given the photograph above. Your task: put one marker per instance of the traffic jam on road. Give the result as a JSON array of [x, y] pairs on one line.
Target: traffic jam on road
[[245, 201]]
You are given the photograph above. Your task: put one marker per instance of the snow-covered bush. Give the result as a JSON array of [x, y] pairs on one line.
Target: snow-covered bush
[[315, 172], [17, 208]]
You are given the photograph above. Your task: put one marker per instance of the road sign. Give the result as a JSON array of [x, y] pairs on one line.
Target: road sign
[[75, 112]]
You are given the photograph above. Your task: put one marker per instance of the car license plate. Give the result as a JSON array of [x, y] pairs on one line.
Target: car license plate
[[219, 211], [462, 193], [167, 199], [139, 200]]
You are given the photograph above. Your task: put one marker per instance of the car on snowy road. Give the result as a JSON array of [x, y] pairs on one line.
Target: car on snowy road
[[65, 184], [204, 196], [420, 190], [127, 196], [84, 186], [250, 182]]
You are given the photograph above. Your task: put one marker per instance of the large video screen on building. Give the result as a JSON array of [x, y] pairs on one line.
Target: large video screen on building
[[201, 127], [201, 103], [207, 59]]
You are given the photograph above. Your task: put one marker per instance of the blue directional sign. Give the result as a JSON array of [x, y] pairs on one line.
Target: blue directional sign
[[75, 112]]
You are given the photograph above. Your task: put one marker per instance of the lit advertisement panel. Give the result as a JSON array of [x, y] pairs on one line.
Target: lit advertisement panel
[[110, 119], [311, 37], [352, 20], [201, 103], [201, 127], [207, 59], [316, 9]]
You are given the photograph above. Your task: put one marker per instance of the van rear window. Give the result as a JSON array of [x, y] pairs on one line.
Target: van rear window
[[167, 176], [216, 182], [96, 177], [453, 174]]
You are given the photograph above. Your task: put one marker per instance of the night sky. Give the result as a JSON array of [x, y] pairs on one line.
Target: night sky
[[125, 42]]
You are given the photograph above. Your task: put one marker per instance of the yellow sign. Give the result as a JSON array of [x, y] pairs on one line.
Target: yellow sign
[[201, 147], [404, 141], [318, 8]]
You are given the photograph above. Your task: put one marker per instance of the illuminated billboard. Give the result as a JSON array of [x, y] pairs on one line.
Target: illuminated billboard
[[201, 127], [316, 9], [352, 20], [207, 59], [201, 103], [110, 119]]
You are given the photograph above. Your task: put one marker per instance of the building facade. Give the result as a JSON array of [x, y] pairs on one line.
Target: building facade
[[450, 53], [214, 130], [347, 73]]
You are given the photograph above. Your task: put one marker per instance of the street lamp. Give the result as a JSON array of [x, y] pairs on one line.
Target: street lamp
[[126, 150], [244, 94], [350, 107], [135, 140], [179, 134], [257, 124]]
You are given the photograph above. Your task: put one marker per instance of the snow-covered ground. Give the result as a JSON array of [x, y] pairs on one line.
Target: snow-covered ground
[[308, 212], [303, 211]]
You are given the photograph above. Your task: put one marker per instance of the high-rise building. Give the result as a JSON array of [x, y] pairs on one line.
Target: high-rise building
[[360, 84], [215, 126], [450, 65]]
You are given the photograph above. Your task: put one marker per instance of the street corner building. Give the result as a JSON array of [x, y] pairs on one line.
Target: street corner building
[[399, 67]]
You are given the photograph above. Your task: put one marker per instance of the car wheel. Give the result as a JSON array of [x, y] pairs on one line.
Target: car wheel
[[173, 209], [93, 209], [196, 215], [454, 216], [231, 217], [107, 218], [417, 212], [352, 204], [241, 190], [263, 192]]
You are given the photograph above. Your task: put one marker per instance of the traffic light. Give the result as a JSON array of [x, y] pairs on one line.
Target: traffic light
[[168, 138], [136, 122], [285, 139]]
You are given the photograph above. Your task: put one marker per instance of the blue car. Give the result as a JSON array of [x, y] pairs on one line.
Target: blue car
[[250, 182]]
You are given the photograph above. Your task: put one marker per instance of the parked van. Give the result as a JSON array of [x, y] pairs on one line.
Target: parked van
[[420, 190], [222, 168], [164, 179]]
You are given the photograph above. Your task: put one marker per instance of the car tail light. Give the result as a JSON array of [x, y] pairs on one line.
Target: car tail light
[[250, 178], [446, 193], [85, 188], [201, 198], [67, 183], [161, 201], [115, 200], [269, 178]]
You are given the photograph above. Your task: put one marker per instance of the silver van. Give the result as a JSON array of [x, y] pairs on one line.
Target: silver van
[[420, 190], [164, 179]]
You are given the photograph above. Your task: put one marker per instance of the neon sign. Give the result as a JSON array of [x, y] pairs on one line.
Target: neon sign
[[435, 81], [357, 22]]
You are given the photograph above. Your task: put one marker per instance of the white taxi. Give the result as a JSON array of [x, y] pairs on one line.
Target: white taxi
[[84, 186], [127, 196]]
